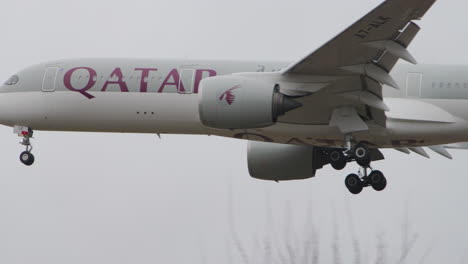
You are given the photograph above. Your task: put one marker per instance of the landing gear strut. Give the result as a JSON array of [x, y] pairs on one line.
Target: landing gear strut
[[26, 157]]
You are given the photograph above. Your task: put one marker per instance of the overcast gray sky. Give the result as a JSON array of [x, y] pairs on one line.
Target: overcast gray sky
[[122, 198]]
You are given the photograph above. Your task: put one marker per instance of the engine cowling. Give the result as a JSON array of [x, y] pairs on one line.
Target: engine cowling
[[235, 102], [280, 162]]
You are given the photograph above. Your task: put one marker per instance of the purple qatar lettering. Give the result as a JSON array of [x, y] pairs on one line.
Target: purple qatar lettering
[[116, 78], [91, 82], [117, 73], [174, 75], [144, 78], [199, 77]]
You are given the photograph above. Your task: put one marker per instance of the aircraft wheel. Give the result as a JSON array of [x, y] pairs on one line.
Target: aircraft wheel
[[337, 160], [27, 158], [377, 180], [362, 155], [354, 184]]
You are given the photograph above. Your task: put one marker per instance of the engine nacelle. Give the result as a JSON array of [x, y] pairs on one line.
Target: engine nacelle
[[235, 102], [280, 162]]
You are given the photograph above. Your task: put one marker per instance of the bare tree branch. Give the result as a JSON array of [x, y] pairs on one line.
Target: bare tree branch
[[355, 241], [232, 228], [336, 238], [408, 239], [230, 257], [427, 252], [311, 243], [464, 259], [275, 245], [381, 249], [288, 234]]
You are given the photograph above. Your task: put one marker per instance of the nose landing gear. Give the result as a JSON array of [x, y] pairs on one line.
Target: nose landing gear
[[26, 157]]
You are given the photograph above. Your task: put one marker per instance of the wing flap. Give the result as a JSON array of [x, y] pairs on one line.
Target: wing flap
[[412, 110]]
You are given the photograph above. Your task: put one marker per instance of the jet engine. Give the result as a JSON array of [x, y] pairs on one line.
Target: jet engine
[[280, 162], [235, 102]]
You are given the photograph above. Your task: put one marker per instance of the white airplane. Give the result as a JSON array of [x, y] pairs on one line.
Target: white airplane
[[340, 104]]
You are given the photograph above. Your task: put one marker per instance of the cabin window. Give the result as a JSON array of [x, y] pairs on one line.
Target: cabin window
[[457, 85], [13, 80], [465, 85]]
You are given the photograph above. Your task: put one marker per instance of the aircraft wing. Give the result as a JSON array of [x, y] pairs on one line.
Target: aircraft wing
[[358, 61], [379, 38]]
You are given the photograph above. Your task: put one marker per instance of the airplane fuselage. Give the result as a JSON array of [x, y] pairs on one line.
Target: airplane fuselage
[[162, 96]]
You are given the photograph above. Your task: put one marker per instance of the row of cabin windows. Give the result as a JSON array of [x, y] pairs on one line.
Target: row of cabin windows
[[124, 78], [449, 85]]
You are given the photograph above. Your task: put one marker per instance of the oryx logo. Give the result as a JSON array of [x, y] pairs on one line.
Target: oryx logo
[[229, 96]]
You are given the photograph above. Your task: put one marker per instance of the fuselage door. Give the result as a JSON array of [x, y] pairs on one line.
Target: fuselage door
[[413, 84], [186, 81], [50, 76]]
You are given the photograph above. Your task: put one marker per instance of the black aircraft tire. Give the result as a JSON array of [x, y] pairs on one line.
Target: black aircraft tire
[[354, 184], [377, 180], [362, 155], [27, 158], [337, 160]]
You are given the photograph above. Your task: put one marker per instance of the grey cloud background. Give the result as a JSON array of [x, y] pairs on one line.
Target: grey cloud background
[[121, 198]]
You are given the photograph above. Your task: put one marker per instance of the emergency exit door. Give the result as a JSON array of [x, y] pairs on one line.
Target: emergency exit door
[[50, 77], [413, 84]]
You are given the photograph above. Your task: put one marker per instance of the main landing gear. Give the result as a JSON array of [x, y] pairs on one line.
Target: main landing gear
[[360, 153], [356, 182], [26, 157]]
